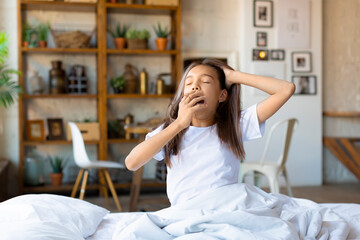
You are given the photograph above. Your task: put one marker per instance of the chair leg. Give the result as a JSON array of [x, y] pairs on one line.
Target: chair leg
[[77, 182], [104, 186], [83, 185], [112, 189], [274, 184], [290, 194]]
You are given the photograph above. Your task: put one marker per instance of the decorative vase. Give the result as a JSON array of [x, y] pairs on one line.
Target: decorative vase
[[56, 178], [36, 84], [26, 44], [161, 43], [113, 1], [43, 44], [57, 78], [130, 79], [33, 171], [119, 43]]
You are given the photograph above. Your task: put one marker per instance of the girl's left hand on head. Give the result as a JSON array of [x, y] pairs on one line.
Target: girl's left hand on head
[[228, 76]]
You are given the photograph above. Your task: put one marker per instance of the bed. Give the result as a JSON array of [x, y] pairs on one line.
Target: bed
[[238, 211]]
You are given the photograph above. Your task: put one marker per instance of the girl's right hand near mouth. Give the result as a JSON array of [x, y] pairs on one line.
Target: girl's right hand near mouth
[[188, 106]]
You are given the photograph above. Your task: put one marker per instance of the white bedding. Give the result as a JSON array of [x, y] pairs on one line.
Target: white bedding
[[236, 211], [240, 211]]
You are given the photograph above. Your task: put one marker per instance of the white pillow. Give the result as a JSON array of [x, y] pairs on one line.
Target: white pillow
[[46, 216]]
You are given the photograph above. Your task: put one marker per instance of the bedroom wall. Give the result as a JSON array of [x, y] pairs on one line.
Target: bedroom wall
[[305, 157], [218, 26], [341, 79]]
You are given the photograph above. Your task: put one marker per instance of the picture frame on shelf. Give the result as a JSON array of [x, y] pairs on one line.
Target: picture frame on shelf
[[277, 54], [261, 39], [260, 55], [301, 62], [263, 13], [35, 130], [56, 129], [305, 84]]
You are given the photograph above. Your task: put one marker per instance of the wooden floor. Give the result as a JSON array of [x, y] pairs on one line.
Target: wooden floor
[[331, 193]]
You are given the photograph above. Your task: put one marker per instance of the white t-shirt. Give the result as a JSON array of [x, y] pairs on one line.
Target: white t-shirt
[[203, 163]]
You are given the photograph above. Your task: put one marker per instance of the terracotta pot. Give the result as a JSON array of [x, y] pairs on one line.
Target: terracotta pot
[[119, 43], [42, 44], [56, 178], [26, 44], [161, 43]]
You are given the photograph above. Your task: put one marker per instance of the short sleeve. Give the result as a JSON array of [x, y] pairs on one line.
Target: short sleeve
[[161, 154], [249, 124]]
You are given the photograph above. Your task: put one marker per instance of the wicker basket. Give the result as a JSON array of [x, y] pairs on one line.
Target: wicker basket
[[73, 39], [137, 43]]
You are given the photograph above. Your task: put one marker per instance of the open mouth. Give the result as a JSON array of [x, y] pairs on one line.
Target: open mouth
[[200, 102]]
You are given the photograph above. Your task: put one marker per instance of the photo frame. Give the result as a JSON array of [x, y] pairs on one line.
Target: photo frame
[[277, 54], [56, 129], [305, 85], [260, 55], [35, 130], [263, 13], [301, 62], [261, 39]]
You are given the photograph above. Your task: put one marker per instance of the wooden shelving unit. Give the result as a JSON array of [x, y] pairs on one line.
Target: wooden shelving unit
[[101, 9]]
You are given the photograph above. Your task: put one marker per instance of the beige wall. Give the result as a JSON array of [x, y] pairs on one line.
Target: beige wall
[[341, 71]]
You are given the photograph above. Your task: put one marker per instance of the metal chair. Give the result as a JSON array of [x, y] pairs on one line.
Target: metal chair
[[273, 170], [83, 161]]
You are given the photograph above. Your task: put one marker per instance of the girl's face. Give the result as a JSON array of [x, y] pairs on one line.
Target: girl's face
[[204, 80]]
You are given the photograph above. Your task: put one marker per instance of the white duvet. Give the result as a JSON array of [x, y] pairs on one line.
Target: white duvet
[[238, 211]]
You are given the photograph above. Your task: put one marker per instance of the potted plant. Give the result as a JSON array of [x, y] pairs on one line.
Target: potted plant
[[137, 39], [118, 84], [9, 89], [119, 35], [162, 36], [43, 30], [114, 128], [57, 165], [27, 33]]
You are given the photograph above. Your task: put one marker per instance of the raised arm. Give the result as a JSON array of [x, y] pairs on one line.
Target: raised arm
[[144, 152], [280, 91]]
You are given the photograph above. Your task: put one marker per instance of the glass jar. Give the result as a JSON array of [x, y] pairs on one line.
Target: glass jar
[[33, 171], [57, 79]]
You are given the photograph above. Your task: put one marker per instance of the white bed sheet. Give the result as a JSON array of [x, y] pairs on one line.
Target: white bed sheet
[[108, 229]]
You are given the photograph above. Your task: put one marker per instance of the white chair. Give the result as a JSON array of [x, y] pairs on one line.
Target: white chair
[[272, 170], [83, 161]]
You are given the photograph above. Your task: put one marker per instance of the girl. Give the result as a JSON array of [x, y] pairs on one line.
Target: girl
[[202, 137]]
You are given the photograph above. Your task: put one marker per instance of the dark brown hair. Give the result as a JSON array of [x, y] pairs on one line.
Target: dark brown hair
[[227, 116]]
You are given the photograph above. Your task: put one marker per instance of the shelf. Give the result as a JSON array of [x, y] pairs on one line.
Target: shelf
[[341, 114], [141, 52], [58, 6], [140, 96], [140, 8], [54, 142], [40, 96], [59, 50], [123, 140]]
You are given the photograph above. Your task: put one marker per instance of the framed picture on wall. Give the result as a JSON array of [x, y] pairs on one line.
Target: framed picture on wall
[[305, 85], [260, 55], [263, 13], [301, 62], [261, 39], [277, 54], [35, 130], [56, 129]]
